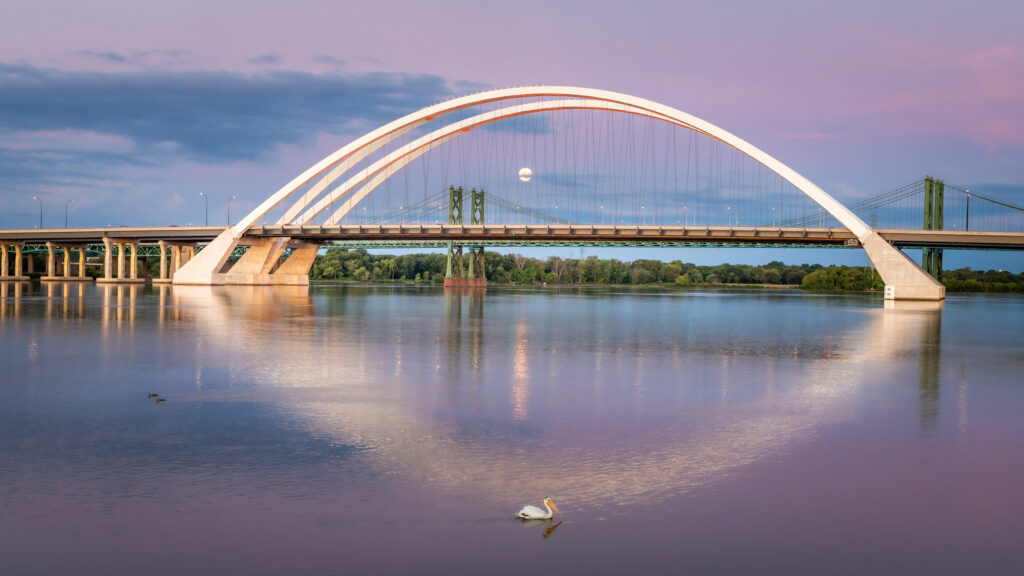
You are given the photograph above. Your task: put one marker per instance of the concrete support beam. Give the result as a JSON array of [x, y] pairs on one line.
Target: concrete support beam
[[133, 268], [120, 260], [107, 264], [205, 268], [254, 267], [67, 261], [123, 275], [17, 262], [294, 271], [162, 276], [51, 266], [6, 275], [904, 279]]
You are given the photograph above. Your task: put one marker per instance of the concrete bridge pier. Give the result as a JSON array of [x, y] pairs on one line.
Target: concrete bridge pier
[[65, 263], [122, 245], [294, 271], [904, 279], [255, 266], [262, 263], [6, 274]]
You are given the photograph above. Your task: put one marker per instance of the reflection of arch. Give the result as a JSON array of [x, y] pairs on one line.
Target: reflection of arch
[[904, 279], [615, 471]]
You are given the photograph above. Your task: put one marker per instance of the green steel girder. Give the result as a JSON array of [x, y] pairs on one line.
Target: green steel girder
[[145, 250], [476, 215]]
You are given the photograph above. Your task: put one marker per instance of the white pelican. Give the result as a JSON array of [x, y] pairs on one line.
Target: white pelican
[[534, 513]]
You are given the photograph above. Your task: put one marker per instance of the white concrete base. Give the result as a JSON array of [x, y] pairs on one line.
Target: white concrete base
[[277, 279], [904, 279], [120, 280], [65, 279]]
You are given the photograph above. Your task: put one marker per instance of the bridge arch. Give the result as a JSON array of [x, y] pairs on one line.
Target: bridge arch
[[907, 279]]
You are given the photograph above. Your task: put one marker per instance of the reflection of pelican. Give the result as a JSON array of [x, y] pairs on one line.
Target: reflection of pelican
[[551, 529], [535, 522], [534, 513]]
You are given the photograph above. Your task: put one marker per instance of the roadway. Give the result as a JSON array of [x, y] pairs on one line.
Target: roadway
[[533, 234]]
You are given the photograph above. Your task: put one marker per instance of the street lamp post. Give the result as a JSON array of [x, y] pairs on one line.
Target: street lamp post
[[40, 211], [686, 221], [229, 208], [602, 215], [643, 215], [728, 215], [773, 216], [66, 202], [207, 199]]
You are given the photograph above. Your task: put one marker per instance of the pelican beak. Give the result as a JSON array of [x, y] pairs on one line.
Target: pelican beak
[[553, 507]]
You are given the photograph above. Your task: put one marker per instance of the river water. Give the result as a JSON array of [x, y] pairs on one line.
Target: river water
[[361, 430]]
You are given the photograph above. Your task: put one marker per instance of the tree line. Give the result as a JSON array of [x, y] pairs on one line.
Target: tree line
[[359, 265]]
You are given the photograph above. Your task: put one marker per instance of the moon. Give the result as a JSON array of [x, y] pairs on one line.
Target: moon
[[525, 174]]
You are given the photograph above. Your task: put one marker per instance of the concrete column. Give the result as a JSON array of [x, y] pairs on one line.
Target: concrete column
[[81, 262], [133, 268], [163, 260], [175, 259], [51, 266], [107, 264], [17, 261], [67, 262], [3, 258], [120, 260]]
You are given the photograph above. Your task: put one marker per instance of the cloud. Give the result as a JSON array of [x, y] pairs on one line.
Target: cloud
[[331, 60], [266, 59], [106, 56], [149, 58], [208, 117]]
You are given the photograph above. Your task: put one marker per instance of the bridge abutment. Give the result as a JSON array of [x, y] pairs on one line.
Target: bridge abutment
[[904, 279], [255, 267]]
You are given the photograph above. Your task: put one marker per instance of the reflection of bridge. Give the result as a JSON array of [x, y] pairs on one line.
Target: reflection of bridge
[[329, 201]]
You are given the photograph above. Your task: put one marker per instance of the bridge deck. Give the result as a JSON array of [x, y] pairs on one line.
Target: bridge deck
[[530, 234]]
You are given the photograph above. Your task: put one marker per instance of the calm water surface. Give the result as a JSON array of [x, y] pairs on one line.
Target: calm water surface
[[355, 430]]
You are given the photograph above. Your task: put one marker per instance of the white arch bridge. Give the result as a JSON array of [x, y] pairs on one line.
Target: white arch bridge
[[338, 183]]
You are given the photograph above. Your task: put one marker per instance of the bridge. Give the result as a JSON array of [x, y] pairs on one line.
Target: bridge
[[600, 180]]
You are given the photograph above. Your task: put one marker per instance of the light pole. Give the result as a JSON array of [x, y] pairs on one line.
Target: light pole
[[40, 211], [686, 222], [66, 202], [229, 208], [602, 215], [728, 215], [643, 215], [207, 199], [557, 219], [773, 216]]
